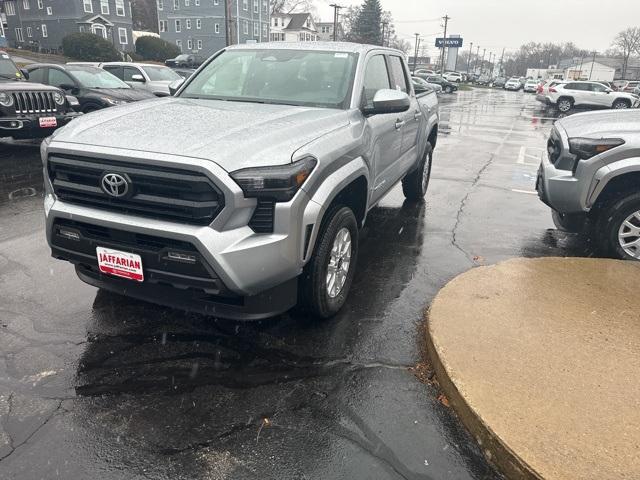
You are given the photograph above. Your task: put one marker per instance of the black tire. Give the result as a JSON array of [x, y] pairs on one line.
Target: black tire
[[621, 104], [568, 223], [610, 220], [415, 185], [564, 104], [448, 89], [315, 297]]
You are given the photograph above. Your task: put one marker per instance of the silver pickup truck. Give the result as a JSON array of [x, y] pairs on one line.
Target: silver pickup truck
[[243, 194]]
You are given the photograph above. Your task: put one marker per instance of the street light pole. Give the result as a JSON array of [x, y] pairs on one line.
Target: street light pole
[[469, 59], [415, 58]]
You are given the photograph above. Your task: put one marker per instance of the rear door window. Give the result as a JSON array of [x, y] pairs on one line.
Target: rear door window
[[57, 78], [114, 70]]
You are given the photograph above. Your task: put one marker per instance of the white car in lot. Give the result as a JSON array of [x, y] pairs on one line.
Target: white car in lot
[[455, 77], [531, 86], [567, 95], [513, 84]]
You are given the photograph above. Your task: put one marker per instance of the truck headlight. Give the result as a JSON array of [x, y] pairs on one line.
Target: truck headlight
[[58, 98], [280, 183], [585, 148], [6, 100]]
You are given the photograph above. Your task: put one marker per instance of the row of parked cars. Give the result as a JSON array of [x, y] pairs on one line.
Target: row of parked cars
[[565, 95]]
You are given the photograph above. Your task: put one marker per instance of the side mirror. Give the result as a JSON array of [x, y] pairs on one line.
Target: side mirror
[[66, 87], [25, 73], [608, 90], [175, 86], [389, 101], [137, 78]]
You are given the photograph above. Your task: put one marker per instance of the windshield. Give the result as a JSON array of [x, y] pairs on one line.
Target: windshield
[[161, 74], [8, 69], [291, 77], [92, 77]]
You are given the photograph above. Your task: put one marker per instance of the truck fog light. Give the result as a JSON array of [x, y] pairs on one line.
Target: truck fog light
[[181, 257], [69, 234], [49, 200]]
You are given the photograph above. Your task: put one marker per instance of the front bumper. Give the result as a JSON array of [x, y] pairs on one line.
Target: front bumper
[[557, 188], [26, 127]]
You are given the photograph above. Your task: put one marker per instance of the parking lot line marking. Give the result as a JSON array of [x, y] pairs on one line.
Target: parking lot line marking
[[528, 192], [523, 154]]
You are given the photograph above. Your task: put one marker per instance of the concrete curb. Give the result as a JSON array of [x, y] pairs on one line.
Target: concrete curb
[[493, 448]]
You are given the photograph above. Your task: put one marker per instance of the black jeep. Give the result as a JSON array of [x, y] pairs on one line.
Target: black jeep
[[29, 110]]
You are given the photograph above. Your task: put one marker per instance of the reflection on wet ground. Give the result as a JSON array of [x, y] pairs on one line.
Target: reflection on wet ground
[[94, 385]]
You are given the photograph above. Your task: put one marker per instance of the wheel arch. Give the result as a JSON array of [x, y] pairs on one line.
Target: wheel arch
[[618, 182]]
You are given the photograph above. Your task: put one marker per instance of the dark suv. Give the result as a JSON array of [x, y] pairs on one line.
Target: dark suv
[[29, 110]]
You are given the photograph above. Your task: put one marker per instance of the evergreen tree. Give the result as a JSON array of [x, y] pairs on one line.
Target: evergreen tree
[[367, 27]]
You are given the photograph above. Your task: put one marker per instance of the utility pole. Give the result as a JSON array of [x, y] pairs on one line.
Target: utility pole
[[593, 63], [484, 51], [415, 58], [446, 19], [475, 63], [469, 59], [336, 13], [501, 63]]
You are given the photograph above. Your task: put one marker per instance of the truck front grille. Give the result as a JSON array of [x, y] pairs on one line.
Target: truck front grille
[[164, 193], [34, 102]]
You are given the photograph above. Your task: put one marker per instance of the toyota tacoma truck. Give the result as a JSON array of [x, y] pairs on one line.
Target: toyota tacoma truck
[[243, 194], [29, 110], [590, 177]]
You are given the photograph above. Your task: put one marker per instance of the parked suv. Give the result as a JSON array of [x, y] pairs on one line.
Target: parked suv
[[590, 177], [143, 76], [244, 192], [455, 77], [29, 110], [513, 84], [567, 95]]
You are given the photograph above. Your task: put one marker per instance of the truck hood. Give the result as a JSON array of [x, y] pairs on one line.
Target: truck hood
[[234, 135], [21, 86], [606, 123]]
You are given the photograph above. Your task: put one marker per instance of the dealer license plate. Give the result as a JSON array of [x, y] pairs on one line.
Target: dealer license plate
[[120, 264], [48, 122]]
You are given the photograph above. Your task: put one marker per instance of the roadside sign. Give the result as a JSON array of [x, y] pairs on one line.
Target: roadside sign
[[449, 42]]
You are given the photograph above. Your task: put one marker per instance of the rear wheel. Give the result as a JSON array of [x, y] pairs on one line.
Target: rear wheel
[[415, 185], [565, 104], [448, 89], [620, 103], [618, 228], [327, 279]]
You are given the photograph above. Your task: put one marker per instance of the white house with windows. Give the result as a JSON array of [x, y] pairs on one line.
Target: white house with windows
[[293, 27], [42, 24]]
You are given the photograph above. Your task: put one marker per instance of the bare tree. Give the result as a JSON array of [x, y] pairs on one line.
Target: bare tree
[[626, 43], [290, 6]]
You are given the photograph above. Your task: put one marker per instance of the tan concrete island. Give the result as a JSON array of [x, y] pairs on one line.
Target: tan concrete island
[[541, 360]]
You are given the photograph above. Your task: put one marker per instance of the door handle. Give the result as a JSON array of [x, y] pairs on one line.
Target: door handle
[[417, 115], [399, 124]]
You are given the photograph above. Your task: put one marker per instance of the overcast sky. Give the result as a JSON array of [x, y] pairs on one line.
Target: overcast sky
[[494, 24]]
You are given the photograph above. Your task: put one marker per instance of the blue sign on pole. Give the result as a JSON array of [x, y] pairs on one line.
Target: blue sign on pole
[[449, 42]]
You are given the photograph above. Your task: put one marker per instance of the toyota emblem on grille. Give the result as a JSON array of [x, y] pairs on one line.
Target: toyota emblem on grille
[[115, 185]]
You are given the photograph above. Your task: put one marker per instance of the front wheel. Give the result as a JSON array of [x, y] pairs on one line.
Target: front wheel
[[415, 185], [448, 90], [564, 105], [620, 104], [618, 228], [327, 279]]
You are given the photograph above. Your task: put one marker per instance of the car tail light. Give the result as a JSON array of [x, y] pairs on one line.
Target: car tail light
[[552, 90]]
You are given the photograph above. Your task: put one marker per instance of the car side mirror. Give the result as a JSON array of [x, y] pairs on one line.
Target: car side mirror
[[25, 73], [389, 101], [608, 90], [137, 78], [66, 87], [175, 86]]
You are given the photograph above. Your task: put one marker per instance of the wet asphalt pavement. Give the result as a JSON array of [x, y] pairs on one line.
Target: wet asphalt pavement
[[94, 385]]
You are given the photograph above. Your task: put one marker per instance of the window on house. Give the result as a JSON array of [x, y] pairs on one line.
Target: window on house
[[29, 32], [88, 6], [176, 4], [25, 4], [216, 2], [245, 4], [199, 44], [104, 7], [163, 26], [178, 26], [256, 7], [179, 44], [49, 11], [189, 44], [188, 23], [216, 28], [256, 29], [187, 3], [264, 30], [160, 5], [122, 33], [45, 32], [197, 3], [246, 27], [198, 23], [40, 4], [120, 8], [19, 36], [10, 8]]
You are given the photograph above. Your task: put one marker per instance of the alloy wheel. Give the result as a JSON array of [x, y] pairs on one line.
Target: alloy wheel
[[339, 263], [629, 235]]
